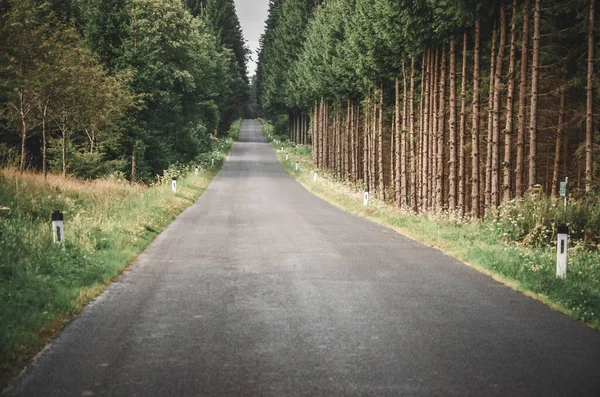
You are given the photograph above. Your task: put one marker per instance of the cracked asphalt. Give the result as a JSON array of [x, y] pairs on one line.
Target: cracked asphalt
[[262, 289]]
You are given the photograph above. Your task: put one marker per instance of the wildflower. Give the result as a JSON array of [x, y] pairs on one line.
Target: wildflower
[[10, 326]]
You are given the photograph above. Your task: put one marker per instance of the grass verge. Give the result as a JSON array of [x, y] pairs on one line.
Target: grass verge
[[108, 223], [483, 245]]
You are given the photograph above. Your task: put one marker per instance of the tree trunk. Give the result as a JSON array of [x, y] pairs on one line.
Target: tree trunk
[[535, 72], [589, 117], [508, 128], [23, 114], [353, 143], [366, 144], [64, 147], [559, 138], [373, 145], [380, 146], [441, 136], [494, 194], [433, 138], [490, 126], [452, 137], [413, 151], [463, 121], [402, 137], [520, 166], [44, 141], [422, 107], [349, 142], [133, 165], [425, 134], [475, 128], [315, 128], [393, 160], [397, 148]]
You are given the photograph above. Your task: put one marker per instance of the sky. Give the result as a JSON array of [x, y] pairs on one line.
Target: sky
[[252, 14]]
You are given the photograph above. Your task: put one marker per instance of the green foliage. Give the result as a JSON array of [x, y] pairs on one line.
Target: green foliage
[[118, 76], [533, 221]]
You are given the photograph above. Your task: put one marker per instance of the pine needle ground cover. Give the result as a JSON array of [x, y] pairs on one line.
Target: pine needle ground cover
[[516, 246], [107, 224]]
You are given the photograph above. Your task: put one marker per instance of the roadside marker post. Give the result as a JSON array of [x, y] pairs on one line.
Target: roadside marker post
[[315, 176], [564, 190], [297, 165], [366, 197], [58, 227], [212, 159], [196, 171], [174, 185], [287, 156], [561, 251]]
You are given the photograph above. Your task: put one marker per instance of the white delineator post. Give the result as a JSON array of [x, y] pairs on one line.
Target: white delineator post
[[297, 165], [366, 197], [212, 159], [174, 185], [196, 171], [58, 227], [315, 176], [287, 156], [561, 251]]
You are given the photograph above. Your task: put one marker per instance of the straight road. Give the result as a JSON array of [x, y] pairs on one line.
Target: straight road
[[262, 289]]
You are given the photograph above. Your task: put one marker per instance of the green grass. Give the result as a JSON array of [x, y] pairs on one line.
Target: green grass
[[494, 246], [108, 223]]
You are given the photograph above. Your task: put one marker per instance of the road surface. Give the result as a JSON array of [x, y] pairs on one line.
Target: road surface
[[262, 289]]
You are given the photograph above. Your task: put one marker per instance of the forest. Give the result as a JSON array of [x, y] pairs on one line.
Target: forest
[[439, 106], [93, 88]]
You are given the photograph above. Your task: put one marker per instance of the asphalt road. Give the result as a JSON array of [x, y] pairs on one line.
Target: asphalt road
[[262, 289]]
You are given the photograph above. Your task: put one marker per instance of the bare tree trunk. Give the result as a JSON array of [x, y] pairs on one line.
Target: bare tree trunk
[[463, 122], [559, 139], [452, 137], [23, 114], [402, 137], [353, 143], [334, 144], [433, 140], [315, 128], [490, 126], [380, 146], [326, 143], [133, 165], [64, 147], [535, 73], [425, 134], [349, 142], [589, 117], [393, 161], [397, 148], [44, 141], [441, 138], [413, 151], [475, 130], [422, 107], [494, 198], [508, 128], [366, 144], [373, 145], [520, 166]]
